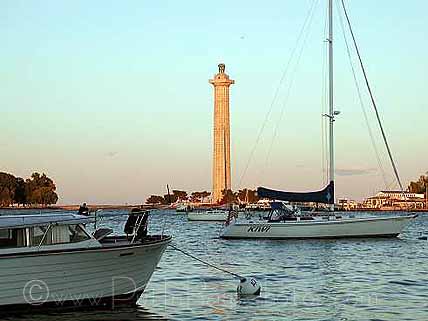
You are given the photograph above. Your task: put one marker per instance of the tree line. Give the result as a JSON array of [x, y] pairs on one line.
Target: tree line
[[250, 196], [178, 196], [36, 190], [241, 196]]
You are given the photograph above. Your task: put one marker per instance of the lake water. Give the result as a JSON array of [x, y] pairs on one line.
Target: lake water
[[356, 279]]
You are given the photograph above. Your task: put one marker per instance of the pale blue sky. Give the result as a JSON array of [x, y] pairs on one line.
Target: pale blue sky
[[111, 98]]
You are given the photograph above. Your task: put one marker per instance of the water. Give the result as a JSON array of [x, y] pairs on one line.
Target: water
[[357, 279]]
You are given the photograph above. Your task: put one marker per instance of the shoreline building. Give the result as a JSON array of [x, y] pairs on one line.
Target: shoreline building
[[221, 149], [392, 200]]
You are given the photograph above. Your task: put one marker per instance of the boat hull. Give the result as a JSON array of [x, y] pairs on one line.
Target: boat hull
[[106, 276], [346, 228], [214, 217], [47, 307]]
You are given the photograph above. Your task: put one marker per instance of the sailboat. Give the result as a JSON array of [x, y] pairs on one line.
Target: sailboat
[[284, 223]]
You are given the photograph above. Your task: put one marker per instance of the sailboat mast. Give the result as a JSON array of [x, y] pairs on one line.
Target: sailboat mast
[[330, 98]]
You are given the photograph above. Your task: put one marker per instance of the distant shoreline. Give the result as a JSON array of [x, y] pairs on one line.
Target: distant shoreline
[[94, 207], [72, 207]]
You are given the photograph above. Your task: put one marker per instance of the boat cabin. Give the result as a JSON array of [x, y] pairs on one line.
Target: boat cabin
[[23, 233]]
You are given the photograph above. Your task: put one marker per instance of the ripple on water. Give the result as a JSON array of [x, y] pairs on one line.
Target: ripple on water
[[382, 279]]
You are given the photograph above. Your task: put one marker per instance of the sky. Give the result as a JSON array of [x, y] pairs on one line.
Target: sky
[[111, 98]]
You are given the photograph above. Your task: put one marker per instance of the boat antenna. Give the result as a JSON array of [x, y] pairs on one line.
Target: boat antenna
[[372, 98]]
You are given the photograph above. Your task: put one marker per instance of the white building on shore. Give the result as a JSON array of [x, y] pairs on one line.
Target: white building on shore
[[396, 200]]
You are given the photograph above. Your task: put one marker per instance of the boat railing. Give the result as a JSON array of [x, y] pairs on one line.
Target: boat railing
[[137, 227]]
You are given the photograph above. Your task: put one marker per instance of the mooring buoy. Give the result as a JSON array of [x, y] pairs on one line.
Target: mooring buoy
[[249, 286]]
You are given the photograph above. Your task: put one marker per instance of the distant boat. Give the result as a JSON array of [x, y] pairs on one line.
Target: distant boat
[[184, 207], [52, 261], [261, 205], [281, 223], [209, 215]]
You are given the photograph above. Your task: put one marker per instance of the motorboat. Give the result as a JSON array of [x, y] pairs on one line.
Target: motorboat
[[208, 215], [184, 207], [53, 261]]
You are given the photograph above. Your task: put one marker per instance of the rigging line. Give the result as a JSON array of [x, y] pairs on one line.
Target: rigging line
[[262, 128], [290, 83], [360, 98], [205, 262], [372, 99]]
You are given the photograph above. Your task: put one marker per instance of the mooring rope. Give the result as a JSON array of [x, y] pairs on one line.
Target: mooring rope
[[205, 262]]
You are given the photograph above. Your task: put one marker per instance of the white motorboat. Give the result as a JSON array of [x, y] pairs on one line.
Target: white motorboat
[[210, 215], [184, 207], [51, 261], [283, 223]]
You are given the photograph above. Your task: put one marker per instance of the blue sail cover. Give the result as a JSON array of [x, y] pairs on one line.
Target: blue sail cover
[[325, 196]]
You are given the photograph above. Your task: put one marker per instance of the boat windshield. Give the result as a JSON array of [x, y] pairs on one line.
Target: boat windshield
[[38, 237], [77, 233], [58, 234], [42, 235]]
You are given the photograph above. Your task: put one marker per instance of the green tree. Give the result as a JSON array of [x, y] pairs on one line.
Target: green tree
[[195, 197], [7, 189], [40, 189], [229, 197], [170, 198], [198, 197], [420, 185], [155, 199], [180, 195], [20, 196], [205, 194]]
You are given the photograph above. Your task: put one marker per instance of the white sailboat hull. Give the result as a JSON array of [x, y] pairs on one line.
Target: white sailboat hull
[[337, 228], [96, 276]]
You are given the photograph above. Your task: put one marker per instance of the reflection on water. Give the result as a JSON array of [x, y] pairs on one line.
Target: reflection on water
[[92, 315], [358, 279]]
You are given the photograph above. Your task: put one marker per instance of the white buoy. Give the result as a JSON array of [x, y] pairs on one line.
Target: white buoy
[[249, 286]]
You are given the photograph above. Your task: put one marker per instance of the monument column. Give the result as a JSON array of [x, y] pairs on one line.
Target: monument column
[[221, 148]]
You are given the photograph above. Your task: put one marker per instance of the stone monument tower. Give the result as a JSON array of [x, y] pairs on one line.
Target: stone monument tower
[[221, 157]]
